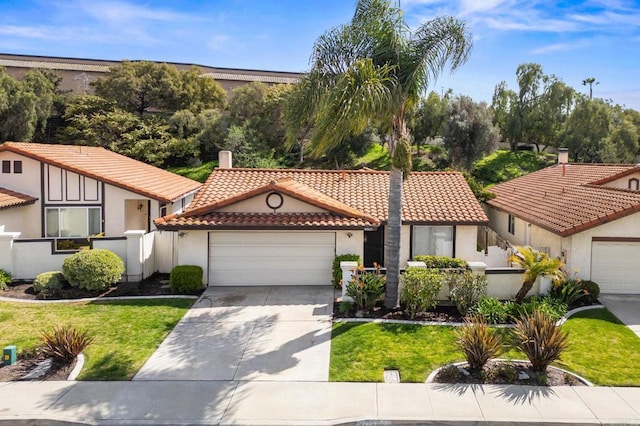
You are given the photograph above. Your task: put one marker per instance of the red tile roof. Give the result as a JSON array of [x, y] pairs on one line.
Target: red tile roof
[[109, 167], [9, 199], [231, 220], [567, 199], [428, 198]]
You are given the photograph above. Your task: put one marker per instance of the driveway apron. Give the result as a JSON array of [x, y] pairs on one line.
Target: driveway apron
[[626, 307], [249, 333]]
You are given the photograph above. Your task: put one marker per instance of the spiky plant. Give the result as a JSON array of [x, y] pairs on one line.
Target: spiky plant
[[538, 336], [65, 343], [479, 342]]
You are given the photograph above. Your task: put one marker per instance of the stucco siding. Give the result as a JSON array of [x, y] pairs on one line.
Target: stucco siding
[[350, 245], [258, 204], [541, 238], [623, 182], [25, 219], [193, 250], [405, 244], [27, 182]]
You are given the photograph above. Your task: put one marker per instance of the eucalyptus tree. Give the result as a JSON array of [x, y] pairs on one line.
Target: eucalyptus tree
[[370, 72]]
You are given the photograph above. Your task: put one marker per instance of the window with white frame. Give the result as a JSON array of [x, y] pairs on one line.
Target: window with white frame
[[511, 225], [434, 240], [63, 222]]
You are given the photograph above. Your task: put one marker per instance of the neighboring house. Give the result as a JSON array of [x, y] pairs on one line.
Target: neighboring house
[[282, 227], [586, 214], [68, 193]]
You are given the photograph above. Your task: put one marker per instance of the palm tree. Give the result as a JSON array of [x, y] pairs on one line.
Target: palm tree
[[370, 72], [590, 81], [535, 264]]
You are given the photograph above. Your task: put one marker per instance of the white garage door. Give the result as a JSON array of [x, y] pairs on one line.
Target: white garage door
[[615, 266], [270, 258]]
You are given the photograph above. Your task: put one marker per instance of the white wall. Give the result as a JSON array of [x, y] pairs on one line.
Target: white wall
[[499, 222], [405, 244], [466, 243], [350, 245], [193, 249], [542, 238], [26, 269], [27, 182], [505, 285], [258, 204], [114, 214], [25, 219], [623, 182]]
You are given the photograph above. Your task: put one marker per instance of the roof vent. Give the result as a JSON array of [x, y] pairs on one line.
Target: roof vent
[[225, 160], [563, 155]]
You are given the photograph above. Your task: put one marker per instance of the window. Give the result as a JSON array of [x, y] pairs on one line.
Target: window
[[511, 226], [634, 184], [163, 209], [435, 240], [73, 222], [6, 166], [17, 166]]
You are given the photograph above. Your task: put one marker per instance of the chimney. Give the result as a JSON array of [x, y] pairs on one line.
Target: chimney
[[563, 156], [225, 160]]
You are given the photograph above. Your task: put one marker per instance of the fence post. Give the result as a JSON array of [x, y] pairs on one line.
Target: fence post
[[135, 255], [348, 268], [477, 268]]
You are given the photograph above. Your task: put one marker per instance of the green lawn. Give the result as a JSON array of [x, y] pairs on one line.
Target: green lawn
[[503, 165], [602, 350], [377, 157], [126, 332], [200, 173]]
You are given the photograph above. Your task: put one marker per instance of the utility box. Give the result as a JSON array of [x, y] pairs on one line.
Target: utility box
[[9, 355]]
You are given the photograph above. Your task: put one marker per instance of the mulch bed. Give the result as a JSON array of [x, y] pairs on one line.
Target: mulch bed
[[58, 371], [506, 372], [155, 285], [442, 313]]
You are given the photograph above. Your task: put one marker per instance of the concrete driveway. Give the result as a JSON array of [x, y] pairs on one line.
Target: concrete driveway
[[626, 307], [249, 333]]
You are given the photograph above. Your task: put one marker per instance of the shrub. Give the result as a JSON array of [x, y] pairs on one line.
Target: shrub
[[479, 342], [186, 279], [65, 343], [48, 284], [568, 291], [441, 262], [548, 305], [540, 339], [591, 291], [491, 309], [420, 288], [337, 272], [93, 269], [365, 288], [5, 279], [465, 289]]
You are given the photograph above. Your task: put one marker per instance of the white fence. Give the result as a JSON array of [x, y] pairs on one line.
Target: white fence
[[25, 259], [164, 247]]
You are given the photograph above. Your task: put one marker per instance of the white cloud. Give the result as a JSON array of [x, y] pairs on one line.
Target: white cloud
[[558, 47], [122, 11]]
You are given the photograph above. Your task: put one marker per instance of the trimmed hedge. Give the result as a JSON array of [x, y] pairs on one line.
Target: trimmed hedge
[[337, 272], [48, 284], [93, 269], [440, 262], [186, 279]]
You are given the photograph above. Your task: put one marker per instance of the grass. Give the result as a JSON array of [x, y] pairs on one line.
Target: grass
[[602, 350], [377, 157], [200, 173], [126, 332], [502, 165]]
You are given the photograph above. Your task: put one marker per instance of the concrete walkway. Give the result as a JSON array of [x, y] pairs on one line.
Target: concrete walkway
[[249, 333], [309, 403], [626, 307]]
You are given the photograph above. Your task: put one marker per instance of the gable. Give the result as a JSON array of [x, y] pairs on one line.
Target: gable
[[261, 204], [630, 181]]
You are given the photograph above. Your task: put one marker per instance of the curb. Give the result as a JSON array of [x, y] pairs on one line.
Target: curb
[[76, 369], [93, 299]]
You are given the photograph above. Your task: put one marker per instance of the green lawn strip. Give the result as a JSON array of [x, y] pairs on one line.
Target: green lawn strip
[[377, 157], [200, 173], [126, 332], [603, 350], [360, 352], [502, 165]]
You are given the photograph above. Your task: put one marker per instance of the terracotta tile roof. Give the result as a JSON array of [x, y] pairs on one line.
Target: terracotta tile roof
[[567, 202], [230, 220], [428, 198], [109, 167], [9, 199]]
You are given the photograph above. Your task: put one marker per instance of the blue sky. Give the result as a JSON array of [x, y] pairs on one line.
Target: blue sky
[[570, 38]]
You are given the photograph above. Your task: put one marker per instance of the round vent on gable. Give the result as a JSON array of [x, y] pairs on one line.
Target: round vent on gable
[[275, 200]]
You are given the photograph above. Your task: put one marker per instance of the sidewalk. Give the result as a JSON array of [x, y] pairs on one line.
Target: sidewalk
[[310, 403]]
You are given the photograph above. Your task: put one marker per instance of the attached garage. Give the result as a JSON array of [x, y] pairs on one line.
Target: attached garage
[[615, 266], [253, 258]]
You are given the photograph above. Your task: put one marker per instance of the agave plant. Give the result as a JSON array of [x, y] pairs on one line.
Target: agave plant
[[479, 342], [65, 342], [539, 337]]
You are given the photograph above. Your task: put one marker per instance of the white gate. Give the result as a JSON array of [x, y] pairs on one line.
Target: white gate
[[165, 244]]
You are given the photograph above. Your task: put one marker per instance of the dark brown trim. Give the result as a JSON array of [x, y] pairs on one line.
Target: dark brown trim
[[616, 239], [66, 187], [84, 185], [43, 200], [257, 228], [17, 167], [59, 205], [102, 198], [148, 215], [503, 271], [411, 241], [427, 223], [453, 254]]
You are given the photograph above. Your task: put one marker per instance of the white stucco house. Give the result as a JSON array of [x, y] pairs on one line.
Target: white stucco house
[[586, 214], [66, 193], [281, 227]]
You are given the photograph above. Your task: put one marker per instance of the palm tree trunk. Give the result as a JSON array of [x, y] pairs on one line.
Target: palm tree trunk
[[392, 244], [522, 293]]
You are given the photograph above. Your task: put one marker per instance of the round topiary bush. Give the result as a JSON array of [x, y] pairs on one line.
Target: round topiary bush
[[48, 284], [93, 269]]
